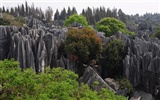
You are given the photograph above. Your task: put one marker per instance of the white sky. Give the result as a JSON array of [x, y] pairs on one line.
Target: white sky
[[127, 6]]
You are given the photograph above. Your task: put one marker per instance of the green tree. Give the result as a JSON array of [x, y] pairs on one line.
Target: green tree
[[56, 15], [157, 32], [48, 14], [63, 14], [83, 43], [26, 6], [125, 83], [112, 63], [111, 26], [4, 21], [56, 83], [69, 13], [74, 11], [76, 18]]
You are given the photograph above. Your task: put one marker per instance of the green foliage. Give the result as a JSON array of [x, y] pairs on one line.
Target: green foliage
[[4, 22], [157, 32], [125, 83], [111, 26], [83, 43], [17, 21], [56, 83], [76, 18], [113, 58]]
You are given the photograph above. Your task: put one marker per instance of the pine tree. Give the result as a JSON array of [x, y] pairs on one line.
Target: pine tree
[[74, 11], [48, 14], [69, 13], [122, 16], [63, 14], [12, 11], [22, 12], [56, 15], [3, 11], [26, 4], [114, 13]]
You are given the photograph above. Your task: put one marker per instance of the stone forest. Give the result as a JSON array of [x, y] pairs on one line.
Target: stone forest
[[100, 54]]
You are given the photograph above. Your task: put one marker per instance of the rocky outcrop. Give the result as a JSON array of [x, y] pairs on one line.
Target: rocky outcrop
[[111, 82], [142, 96], [4, 46], [90, 76], [141, 64], [33, 47]]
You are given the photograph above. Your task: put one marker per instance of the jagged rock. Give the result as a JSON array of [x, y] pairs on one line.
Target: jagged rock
[[143, 95], [90, 76], [112, 83], [141, 64], [4, 46]]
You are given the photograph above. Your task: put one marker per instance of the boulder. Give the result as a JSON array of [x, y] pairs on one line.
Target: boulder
[[112, 83]]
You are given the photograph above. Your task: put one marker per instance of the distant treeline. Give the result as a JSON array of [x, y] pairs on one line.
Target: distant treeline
[[93, 15]]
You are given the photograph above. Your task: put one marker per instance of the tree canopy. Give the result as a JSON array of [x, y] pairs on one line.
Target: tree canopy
[[157, 32], [112, 63], [76, 18], [83, 43], [111, 26], [56, 83]]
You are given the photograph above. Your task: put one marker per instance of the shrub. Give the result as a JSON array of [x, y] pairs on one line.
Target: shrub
[[112, 62], [157, 32], [111, 26], [17, 21], [125, 83], [76, 18], [56, 83], [83, 43], [4, 22]]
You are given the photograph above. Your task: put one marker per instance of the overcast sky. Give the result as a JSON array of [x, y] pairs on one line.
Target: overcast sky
[[127, 6]]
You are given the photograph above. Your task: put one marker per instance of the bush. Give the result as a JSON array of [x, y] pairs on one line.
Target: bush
[[76, 18], [110, 26], [17, 21], [4, 22], [112, 63], [83, 43], [56, 83], [125, 83], [157, 32]]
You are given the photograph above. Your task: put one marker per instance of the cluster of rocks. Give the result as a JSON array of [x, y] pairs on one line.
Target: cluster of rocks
[[141, 64], [35, 46]]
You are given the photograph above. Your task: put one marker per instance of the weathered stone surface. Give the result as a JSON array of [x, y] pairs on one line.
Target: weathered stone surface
[[34, 46], [143, 95], [90, 76], [4, 47], [112, 83], [141, 64]]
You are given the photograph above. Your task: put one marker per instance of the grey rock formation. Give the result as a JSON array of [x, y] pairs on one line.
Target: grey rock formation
[[34, 46], [142, 95], [141, 64], [4, 46], [90, 76], [112, 83]]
